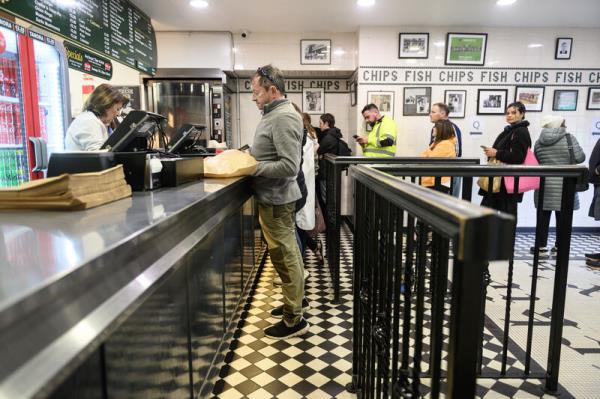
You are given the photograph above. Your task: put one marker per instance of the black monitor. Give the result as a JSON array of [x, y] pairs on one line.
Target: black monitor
[[188, 139], [133, 133]]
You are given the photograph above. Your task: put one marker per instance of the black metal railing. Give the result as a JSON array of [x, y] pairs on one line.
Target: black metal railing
[[570, 175], [334, 166], [400, 294]]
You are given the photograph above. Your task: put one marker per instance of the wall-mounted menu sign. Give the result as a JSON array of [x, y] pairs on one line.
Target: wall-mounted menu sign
[[84, 61], [115, 28]]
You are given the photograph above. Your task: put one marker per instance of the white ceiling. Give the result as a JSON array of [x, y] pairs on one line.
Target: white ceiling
[[346, 16]]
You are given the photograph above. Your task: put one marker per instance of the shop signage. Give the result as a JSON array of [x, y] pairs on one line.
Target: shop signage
[[84, 61], [297, 85], [453, 76], [115, 28], [133, 94]]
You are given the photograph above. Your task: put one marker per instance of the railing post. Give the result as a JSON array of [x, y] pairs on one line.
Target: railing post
[[560, 284]]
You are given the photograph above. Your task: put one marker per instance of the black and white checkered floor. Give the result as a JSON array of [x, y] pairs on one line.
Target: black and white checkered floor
[[318, 365]]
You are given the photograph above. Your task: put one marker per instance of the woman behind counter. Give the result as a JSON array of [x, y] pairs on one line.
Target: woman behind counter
[[89, 130], [510, 147]]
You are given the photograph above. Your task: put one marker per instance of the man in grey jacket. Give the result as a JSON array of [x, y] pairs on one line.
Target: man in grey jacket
[[277, 147]]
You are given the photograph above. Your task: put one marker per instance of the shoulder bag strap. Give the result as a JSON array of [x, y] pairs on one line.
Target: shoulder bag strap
[[570, 148]]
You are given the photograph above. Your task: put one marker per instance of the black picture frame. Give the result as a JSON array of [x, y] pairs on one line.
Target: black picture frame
[[457, 111], [564, 45], [525, 94], [404, 39], [315, 51], [313, 101], [593, 100], [491, 101], [353, 94], [450, 50], [416, 101], [559, 101], [384, 101]]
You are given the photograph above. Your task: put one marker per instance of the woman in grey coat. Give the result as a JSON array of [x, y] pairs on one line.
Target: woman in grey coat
[[552, 148]]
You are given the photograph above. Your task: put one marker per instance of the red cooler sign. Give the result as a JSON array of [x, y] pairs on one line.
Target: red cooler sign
[[2, 43]]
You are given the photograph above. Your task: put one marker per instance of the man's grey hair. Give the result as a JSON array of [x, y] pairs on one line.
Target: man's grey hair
[[270, 76]]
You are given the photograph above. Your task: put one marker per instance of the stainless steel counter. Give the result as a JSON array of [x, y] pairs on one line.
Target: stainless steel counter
[[59, 269]]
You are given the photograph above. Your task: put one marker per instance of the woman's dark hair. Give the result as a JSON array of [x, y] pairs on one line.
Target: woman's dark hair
[[329, 119], [443, 131], [103, 98], [308, 125], [519, 106]]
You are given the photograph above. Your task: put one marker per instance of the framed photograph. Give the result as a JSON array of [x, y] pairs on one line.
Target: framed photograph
[[313, 101], [593, 98], [353, 93], [456, 102], [563, 48], [565, 100], [315, 52], [417, 101], [466, 48], [384, 101], [532, 97], [414, 45], [491, 101]]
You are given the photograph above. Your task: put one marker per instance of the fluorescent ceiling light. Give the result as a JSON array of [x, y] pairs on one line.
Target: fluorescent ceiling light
[[365, 3], [535, 45], [199, 3], [505, 2]]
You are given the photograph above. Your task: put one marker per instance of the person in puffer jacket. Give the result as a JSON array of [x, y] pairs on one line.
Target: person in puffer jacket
[[552, 149]]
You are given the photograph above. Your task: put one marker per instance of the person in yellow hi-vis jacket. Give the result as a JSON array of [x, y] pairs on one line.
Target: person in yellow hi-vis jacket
[[381, 141]]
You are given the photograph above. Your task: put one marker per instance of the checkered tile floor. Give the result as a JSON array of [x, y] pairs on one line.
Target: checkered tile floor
[[318, 365]]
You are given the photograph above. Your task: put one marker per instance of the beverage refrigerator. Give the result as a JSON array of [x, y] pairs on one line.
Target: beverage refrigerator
[[34, 110]]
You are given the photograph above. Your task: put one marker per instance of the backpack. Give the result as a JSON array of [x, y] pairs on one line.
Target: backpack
[[343, 149]]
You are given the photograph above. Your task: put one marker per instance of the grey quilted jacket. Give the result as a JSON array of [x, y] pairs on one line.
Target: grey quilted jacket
[[552, 149]]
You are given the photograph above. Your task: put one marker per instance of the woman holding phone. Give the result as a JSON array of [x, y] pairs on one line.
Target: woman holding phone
[[510, 147]]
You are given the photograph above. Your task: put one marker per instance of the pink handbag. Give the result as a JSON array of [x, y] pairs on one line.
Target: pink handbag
[[526, 183]]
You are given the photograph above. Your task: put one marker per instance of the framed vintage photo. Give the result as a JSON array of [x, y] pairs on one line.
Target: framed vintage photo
[[456, 102], [313, 101], [353, 94], [565, 100], [532, 97], [384, 101], [491, 101], [593, 101], [417, 101], [563, 48], [465, 48], [315, 52], [413, 45]]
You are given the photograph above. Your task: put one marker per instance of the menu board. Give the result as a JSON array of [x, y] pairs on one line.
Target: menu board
[[115, 28]]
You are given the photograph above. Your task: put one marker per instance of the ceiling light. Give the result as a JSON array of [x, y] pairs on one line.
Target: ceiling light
[[365, 3], [199, 3], [505, 2]]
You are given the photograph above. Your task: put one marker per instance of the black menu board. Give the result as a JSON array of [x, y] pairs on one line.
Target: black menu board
[[113, 27]]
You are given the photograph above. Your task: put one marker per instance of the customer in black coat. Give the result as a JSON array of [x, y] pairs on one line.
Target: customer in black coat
[[510, 147], [329, 137]]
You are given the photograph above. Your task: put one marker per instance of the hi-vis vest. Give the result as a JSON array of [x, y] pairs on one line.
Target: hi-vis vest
[[383, 129]]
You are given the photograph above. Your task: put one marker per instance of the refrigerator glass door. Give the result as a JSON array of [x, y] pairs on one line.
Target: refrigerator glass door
[[50, 78], [181, 102], [13, 137]]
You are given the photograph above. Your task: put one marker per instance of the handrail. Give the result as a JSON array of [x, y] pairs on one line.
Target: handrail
[[450, 215]]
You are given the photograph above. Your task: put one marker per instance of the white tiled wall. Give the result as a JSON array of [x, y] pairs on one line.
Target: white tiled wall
[[505, 48]]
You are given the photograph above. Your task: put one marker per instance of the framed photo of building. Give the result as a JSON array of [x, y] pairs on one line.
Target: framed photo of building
[[593, 101], [532, 97], [413, 45], [491, 101], [466, 48], [384, 101], [565, 100], [417, 101], [313, 101], [315, 52], [563, 48], [456, 102]]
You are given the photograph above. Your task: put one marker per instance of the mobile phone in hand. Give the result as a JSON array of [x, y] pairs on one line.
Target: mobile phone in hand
[[484, 147], [355, 136]]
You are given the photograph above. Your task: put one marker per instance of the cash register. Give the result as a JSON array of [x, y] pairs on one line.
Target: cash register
[[131, 144]]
